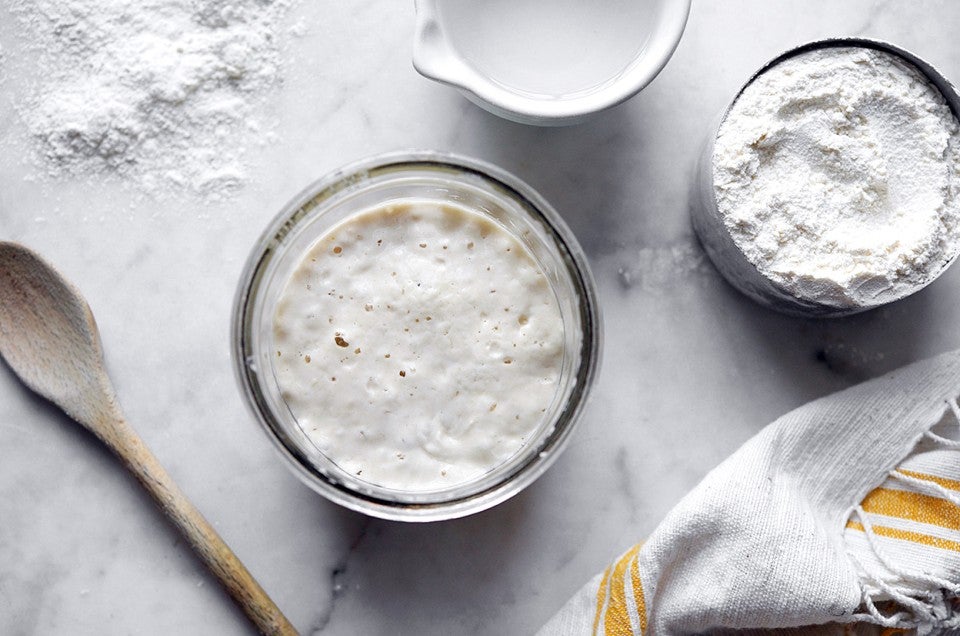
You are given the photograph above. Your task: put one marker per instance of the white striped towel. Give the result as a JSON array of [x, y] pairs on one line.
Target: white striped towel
[[843, 514]]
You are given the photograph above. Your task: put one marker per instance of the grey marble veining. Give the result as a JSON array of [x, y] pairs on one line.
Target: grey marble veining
[[691, 368]]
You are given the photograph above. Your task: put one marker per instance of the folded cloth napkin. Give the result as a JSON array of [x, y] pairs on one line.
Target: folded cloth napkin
[[844, 513]]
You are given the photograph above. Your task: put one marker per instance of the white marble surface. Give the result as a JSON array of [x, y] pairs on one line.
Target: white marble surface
[[691, 368]]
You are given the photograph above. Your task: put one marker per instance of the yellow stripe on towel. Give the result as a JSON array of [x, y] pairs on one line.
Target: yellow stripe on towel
[[617, 619], [638, 594], [913, 506], [602, 594], [915, 537], [949, 484]]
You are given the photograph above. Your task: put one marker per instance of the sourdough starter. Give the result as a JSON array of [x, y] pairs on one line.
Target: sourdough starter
[[418, 345]]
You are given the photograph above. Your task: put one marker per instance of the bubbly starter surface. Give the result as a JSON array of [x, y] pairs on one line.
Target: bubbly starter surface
[[418, 345]]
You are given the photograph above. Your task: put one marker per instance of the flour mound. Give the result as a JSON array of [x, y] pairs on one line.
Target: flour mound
[[166, 94], [837, 173]]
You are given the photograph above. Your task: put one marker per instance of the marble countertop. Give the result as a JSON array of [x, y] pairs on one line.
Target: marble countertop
[[691, 368]]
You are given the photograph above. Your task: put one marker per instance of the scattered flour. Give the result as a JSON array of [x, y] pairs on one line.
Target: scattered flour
[[165, 94], [661, 268], [837, 174]]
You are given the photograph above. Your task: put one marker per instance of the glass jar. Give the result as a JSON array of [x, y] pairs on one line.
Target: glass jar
[[472, 184]]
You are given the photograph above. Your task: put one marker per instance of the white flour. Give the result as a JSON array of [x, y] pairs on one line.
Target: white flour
[[165, 94], [837, 174]]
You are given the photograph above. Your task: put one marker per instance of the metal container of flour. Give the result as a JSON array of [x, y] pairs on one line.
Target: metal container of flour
[[722, 231], [546, 63]]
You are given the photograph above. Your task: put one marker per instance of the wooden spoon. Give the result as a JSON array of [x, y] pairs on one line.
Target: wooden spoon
[[49, 338]]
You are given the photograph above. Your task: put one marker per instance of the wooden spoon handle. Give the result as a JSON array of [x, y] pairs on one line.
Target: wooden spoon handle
[[207, 544]]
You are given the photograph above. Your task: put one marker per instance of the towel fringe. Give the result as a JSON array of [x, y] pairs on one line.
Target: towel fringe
[[955, 408], [927, 487], [945, 442], [952, 444], [905, 585], [916, 600]]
